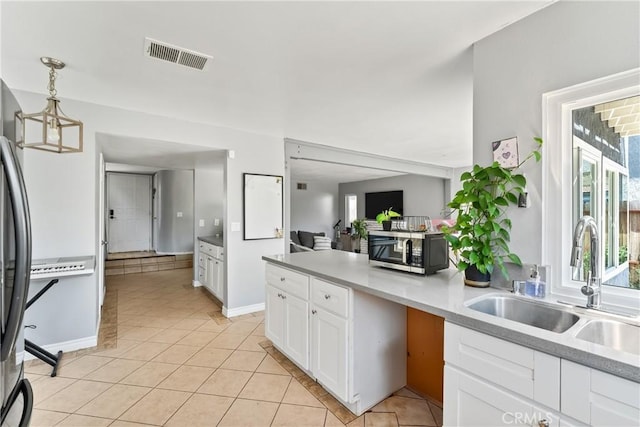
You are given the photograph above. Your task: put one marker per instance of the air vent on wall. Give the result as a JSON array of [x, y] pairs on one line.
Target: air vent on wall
[[301, 186], [177, 55]]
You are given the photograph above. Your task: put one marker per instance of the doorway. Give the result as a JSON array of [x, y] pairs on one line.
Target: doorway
[[128, 212]]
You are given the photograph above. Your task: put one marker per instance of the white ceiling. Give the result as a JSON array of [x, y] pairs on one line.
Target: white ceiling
[[390, 78], [303, 170], [149, 153]]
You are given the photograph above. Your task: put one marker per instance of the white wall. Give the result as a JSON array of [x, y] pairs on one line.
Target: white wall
[[316, 208], [562, 45], [175, 193], [209, 200], [62, 191], [422, 195]]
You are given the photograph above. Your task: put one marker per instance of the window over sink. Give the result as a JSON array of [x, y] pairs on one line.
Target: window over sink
[[592, 167]]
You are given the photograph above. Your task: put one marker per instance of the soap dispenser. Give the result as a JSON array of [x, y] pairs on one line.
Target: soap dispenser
[[534, 287]]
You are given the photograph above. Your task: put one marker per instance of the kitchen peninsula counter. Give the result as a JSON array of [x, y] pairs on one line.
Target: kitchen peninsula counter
[[444, 294]]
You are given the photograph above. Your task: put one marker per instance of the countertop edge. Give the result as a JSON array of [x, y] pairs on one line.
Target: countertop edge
[[587, 358], [212, 240]]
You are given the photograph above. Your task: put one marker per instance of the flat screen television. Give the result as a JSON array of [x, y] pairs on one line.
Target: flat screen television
[[374, 203]]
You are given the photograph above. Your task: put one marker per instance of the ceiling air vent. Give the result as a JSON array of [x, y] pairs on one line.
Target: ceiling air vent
[[301, 186], [177, 55]]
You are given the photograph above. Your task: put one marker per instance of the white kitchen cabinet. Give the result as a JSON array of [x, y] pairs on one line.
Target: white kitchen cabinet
[[522, 370], [345, 339], [329, 355], [274, 316], [598, 398], [211, 268], [287, 314], [490, 381], [352, 336], [486, 377], [472, 401]]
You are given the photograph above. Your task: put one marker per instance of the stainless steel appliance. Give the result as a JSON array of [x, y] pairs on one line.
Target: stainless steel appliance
[[413, 251], [15, 266]]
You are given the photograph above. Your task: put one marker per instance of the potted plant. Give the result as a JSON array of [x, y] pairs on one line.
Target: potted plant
[[480, 237], [359, 227], [385, 216]]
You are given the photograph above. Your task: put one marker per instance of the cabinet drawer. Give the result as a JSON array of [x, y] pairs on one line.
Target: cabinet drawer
[[202, 275], [330, 297], [202, 260], [289, 281], [530, 373], [206, 248]]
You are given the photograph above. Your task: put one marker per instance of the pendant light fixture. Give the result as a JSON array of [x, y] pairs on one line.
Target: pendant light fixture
[[50, 130]]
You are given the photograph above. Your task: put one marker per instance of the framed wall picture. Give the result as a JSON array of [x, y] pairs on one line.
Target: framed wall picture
[[263, 211], [505, 152]]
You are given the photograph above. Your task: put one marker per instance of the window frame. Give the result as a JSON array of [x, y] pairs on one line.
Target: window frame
[[347, 206], [557, 213]]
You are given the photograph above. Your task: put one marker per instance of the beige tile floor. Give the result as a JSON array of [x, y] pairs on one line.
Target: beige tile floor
[[178, 362]]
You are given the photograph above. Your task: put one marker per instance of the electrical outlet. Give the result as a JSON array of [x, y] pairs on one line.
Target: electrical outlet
[[202, 223], [216, 221], [179, 214]]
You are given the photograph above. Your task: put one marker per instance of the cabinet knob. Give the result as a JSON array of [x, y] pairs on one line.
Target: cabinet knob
[[282, 279], [279, 295], [313, 311], [284, 296], [543, 423], [327, 296]]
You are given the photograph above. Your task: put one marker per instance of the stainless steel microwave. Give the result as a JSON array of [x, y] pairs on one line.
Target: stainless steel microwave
[[412, 251]]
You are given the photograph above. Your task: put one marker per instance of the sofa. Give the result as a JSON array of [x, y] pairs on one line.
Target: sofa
[[303, 241]]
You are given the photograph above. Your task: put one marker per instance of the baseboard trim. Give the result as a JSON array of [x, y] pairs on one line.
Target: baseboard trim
[[174, 253], [67, 346], [233, 312]]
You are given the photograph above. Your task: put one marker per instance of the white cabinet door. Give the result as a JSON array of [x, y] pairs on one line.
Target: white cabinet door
[[470, 401], [216, 278], [274, 316], [219, 280], [296, 329], [211, 273], [329, 351], [598, 398]]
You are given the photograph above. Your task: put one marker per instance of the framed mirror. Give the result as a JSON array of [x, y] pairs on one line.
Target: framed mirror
[[263, 206]]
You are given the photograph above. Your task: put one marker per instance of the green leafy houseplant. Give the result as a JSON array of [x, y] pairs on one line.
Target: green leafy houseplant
[[359, 228], [481, 234], [387, 215], [359, 233]]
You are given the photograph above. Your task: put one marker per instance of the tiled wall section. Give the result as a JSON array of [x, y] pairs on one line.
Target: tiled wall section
[[144, 265]]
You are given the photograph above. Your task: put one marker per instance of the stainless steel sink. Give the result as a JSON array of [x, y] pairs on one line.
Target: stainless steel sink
[[610, 333], [531, 313]]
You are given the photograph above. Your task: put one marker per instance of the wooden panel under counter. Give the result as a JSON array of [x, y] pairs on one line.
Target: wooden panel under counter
[[425, 353]]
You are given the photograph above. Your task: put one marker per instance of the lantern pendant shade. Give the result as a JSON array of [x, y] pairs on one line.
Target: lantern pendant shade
[[50, 129]]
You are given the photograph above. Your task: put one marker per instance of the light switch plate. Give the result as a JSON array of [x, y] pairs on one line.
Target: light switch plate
[[235, 226], [179, 214], [202, 223], [216, 221]]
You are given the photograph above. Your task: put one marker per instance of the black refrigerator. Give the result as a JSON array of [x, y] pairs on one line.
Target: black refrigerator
[[15, 268]]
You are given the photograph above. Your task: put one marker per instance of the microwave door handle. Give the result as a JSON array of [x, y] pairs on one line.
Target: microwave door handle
[[17, 194], [409, 251], [405, 247]]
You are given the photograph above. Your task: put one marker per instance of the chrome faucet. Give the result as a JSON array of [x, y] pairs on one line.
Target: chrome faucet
[[594, 283]]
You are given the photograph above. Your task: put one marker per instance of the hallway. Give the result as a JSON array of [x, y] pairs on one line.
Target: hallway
[[167, 356]]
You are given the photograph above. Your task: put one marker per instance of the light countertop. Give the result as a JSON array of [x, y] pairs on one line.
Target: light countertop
[[444, 294], [215, 241]]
